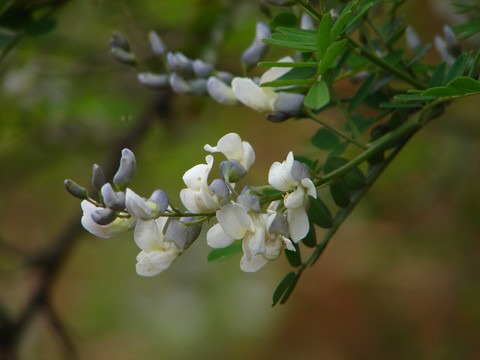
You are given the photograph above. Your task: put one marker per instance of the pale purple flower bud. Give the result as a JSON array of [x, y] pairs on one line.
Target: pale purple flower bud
[[201, 68], [98, 177], [119, 41], [198, 87], [289, 103], [154, 81], [76, 190], [114, 200], [103, 216], [156, 43], [161, 199], [453, 46], [412, 39], [126, 170], [123, 56], [225, 76], [232, 171], [181, 235], [307, 22], [179, 63], [257, 50]]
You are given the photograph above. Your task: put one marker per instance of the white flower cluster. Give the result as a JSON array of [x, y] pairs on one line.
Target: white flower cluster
[[264, 229]]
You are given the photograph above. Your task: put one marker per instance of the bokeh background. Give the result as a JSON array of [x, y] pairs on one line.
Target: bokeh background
[[400, 280]]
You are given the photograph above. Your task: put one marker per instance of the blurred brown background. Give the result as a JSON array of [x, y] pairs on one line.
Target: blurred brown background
[[400, 280]]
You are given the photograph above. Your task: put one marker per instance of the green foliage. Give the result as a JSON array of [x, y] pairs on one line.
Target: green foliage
[[225, 253]]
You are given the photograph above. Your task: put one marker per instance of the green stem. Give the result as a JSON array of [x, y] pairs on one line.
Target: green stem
[[343, 109], [309, 10], [332, 129]]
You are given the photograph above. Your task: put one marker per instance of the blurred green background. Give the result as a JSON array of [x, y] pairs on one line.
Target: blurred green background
[[400, 280]]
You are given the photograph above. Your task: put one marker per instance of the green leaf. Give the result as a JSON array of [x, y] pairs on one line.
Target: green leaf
[[340, 24], [411, 97], [299, 73], [4, 40], [284, 284], [362, 92], [42, 27], [443, 91], [419, 54], [354, 179], [294, 257], [340, 193], [330, 55], [278, 83], [360, 122], [319, 213], [393, 57], [325, 140], [366, 5], [324, 34], [288, 64], [306, 47], [289, 290], [438, 76], [338, 149], [465, 83], [318, 96], [470, 28], [398, 105], [284, 19], [222, 254], [458, 68], [311, 239]]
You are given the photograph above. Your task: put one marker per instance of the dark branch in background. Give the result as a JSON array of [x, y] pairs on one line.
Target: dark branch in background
[[52, 261]]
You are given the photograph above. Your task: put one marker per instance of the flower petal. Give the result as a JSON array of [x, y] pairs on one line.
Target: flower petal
[[280, 174], [298, 223], [275, 72], [230, 145], [217, 238], [253, 264], [295, 199], [197, 176], [248, 156], [119, 225], [234, 220], [140, 208], [220, 91], [251, 95], [148, 235], [310, 187]]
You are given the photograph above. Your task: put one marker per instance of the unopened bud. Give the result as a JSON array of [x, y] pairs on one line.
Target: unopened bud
[[179, 63], [257, 50], [232, 171], [98, 177], [201, 68], [300, 171], [219, 187], [307, 22], [221, 92], [103, 216], [119, 41], [277, 117], [154, 81], [179, 85], [225, 76], [161, 199], [249, 202], [76, 190], [156, 43], [289, 103], [453, 46], [333, 15], [412, 39], [114, 200], [126, 170], [123, 56]]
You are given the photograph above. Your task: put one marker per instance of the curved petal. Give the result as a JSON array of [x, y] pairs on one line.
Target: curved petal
[[148, 235], [298, 223], [295, 199], [230, 145], [154, 262], [273, 248], [216, 237], [251, 95], [280, 174], [275, 72], [310, 187], [221, 92], [248, 156], [197, 176], [140, 208], [253, 264], [119, 225], [255, 240], [234, 220]]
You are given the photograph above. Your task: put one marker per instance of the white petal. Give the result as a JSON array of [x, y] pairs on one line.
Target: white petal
[[275, 72], [251, 95], [253, 264], [217, 238], [230, 145], [273, 248], [280, 174], [256, 240], [295, 199], [140, 208], [248, 156], [201, 201], [197, 176], [298, 223], [119, 225], [154, 262], [221, 92], [148, 235], [310, 187], [288, 243], [234, 220]]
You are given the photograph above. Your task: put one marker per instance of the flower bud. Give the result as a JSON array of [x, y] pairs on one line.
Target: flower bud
[[307, 22], [249, 202], [221, 92], [114, 200], [232, 171], [289, 103], [76, 190], [98, 177], [201, 68], [161, 199], [412, 39], [154, 81], [221, 189], [119, 41], [179, 63], [225, 76], [333, 15], [126, 170], [123, 56], [300, 171], [103, 216], [277, 117], [156, 43], [257, 50]]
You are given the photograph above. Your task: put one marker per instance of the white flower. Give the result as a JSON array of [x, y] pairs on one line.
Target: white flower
[[157, 254], [197, 197], [140, 208], [250, 94], [220, 91], [232, 146], [119, 225], [287, 176], [276, 72]]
